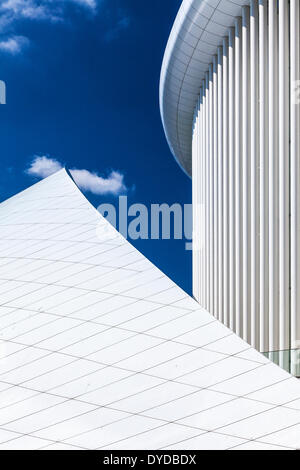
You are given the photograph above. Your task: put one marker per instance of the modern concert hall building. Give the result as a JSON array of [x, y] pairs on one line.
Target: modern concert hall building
[[98, 348], [230, 105]]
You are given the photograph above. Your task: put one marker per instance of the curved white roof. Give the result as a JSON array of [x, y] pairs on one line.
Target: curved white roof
[[198, 29], [100, 350]]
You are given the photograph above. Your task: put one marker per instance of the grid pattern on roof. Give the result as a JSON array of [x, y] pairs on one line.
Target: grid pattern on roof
[[100, 350]]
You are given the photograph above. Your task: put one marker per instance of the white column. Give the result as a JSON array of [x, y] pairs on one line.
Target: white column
[[211, 192], [215, 187], [246, 173], [197, 198], [238, 178], [200, 207], [207, 215], [202, 220], [195, 193], [284, 275], [295, 174], [225, 185], [220, 183], [203, 146], [273, 179], [263, 166], [254, 177], [231, 154]]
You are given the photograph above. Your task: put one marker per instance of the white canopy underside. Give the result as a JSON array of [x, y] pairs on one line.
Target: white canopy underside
[[198, 30]]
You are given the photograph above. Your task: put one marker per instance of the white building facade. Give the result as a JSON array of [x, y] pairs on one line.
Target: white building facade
[[230, 106]]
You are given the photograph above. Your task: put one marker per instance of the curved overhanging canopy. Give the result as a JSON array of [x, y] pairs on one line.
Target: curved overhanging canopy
[[198, 30]]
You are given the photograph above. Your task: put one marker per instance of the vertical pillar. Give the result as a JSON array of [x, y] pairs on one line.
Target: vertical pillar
[[295, 176], [225, 185], [231, 155], [263, 166], [284, 222], [246, 172], [201, 205], [273, 180], [220, 184], [207, 215], [215, 187], [238, 178], [194, 195], [254, 176], [197, 197], [203, 149], [211, 192]]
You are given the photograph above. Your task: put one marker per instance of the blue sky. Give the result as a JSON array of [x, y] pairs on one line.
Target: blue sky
[[82, 82]]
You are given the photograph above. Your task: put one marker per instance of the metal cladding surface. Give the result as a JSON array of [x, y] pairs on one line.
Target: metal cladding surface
[[199, 29], [100, 350]]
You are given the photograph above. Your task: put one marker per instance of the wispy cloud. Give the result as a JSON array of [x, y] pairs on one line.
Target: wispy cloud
[[121, 25], [87, 3], [96, 184], [14, 11], [14, 44], [43, 166], [51, 10]]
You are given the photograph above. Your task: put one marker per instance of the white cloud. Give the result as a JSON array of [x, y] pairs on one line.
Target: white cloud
[[42, 166], [14, 11], [87, 3], [52, 10], [14, 44], [92, 182]]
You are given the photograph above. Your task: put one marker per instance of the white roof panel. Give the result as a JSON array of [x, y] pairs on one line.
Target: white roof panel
[[97, 354]]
